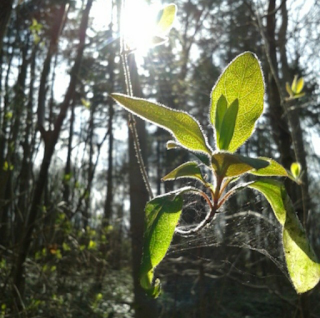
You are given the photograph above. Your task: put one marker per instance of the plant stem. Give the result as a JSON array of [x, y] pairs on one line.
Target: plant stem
[[209, 217], [132, 121]]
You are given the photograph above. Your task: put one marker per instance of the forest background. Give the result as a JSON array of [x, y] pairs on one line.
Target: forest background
[[71, 194]]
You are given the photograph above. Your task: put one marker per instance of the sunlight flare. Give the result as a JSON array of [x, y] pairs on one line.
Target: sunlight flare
[[138, 25]]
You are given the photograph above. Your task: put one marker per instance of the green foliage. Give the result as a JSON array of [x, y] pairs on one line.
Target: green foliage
[[162, 215], [7, 166], [303, 267], [227, 126], [295, 90], [183, 126], [273, 169], [186, 170], [242, 80], [232, 165], [295, 170], [35, 29], [85, 103], [236, 104], [165, 19]]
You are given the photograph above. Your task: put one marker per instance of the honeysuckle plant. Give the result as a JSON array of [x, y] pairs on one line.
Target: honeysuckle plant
[[236, 104]]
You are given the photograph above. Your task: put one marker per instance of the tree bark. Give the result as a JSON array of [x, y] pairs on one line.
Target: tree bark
[[279, 125], [67, 169], [5, 13], [144, 306], [293, 116], [288, 117], [109, 192], [18, 106], [55, 33], [27, 164]]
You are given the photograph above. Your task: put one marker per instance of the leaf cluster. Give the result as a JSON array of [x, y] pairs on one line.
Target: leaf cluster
[[236, 105]]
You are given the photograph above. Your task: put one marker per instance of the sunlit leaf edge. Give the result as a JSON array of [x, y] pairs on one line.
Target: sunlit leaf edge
[[248, 163], [166, 18], [183, 171], [204, 147], [274, 169], [302, 265], [146, 277], [234, 146]]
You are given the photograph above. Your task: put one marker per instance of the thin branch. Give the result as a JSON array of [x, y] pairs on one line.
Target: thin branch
[[207, 220], [132, 122]]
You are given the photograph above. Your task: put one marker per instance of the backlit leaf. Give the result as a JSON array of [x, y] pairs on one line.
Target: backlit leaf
[[183, 126], [161, 217], [232, 165], [186, 170], [294, 84], [288, 89], [274, 169], [227, 126], [221, 109], [166, 18], [242, 80], [295, 169], [300, 85], [303, 267]]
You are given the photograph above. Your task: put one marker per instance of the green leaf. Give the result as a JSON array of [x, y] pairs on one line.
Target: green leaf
[[274, 169], [35, 26], [242, 80], [299, 95], [186, 170], [201, 156], [221, 109], [183, 127], [165, 19], [162, 216], [300, 85], [303, 267], [172, 145], [288, 89], [8, 115], [85, 103], [227, 126], [231, 165], [295, 170], [294, 84]]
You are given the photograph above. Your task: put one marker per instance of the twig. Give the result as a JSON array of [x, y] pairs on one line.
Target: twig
[[132, 122]]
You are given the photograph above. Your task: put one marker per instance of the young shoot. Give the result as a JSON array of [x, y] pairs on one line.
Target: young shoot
[[236, 104]]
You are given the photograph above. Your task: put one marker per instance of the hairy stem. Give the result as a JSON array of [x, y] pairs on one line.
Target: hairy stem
[[132, 122]]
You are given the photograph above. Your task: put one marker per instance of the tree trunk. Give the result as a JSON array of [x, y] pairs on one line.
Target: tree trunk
[[109, 194], [5, 12], [55, 33], [144, 306], [286, 117], [279, 125], [293, 116], [67, 169], [18, 106], [26, 167]]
